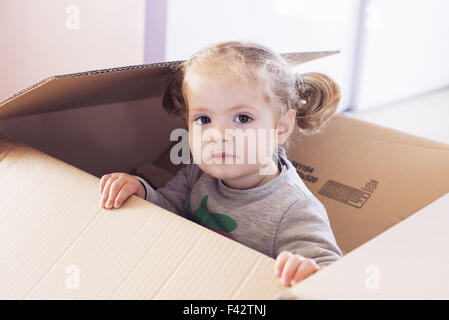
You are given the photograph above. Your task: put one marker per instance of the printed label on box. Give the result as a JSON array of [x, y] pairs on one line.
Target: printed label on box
[[343, 193]]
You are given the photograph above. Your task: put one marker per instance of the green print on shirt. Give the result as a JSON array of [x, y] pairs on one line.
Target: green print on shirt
[[218, 222]]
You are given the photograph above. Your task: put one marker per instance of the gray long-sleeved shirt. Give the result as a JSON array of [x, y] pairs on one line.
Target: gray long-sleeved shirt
[[279, 215]]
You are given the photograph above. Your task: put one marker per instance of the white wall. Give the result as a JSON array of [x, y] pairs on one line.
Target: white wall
[[406, 50], [40, 39]]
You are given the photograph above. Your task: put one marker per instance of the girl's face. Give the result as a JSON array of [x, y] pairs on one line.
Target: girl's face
[[233, 119]]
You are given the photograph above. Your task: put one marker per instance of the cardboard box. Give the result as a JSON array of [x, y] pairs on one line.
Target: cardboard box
[[66, 131]]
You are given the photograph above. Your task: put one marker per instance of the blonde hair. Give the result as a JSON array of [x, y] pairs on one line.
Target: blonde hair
[[315, 97]]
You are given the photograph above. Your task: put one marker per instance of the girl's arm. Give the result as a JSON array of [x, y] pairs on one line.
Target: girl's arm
[[174, 194], [305, 230]]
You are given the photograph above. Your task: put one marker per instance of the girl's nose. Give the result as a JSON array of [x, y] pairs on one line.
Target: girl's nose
[[221, 134], [215, 139]]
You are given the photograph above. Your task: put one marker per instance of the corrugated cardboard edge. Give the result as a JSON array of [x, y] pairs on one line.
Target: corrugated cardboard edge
[[89, 73], [27, 90]]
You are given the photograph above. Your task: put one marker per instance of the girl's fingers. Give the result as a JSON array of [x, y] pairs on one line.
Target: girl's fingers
[[306, 268], [124, 194], [290, 268], [280, 262], [116, 185], [103, 181], [107, 186]]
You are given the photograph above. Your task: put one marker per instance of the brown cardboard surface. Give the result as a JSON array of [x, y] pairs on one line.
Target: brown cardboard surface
[[408, 261], [51, 222], [112, 137], [369, 178]]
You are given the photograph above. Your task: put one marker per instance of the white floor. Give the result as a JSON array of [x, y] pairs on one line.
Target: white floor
[[426, 116]]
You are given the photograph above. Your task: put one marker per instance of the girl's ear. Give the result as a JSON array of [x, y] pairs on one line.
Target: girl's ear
[[286, 125]]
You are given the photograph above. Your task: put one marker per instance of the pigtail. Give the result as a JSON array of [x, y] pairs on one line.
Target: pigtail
[[173, 100], [317, 101]]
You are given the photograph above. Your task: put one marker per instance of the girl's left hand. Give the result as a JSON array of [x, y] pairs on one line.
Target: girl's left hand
[[293, 268]]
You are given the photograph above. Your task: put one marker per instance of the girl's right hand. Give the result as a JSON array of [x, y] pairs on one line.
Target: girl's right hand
[[116, 187]]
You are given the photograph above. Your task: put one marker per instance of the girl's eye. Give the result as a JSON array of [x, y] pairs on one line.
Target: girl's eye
[[205, 118], [243, 118]]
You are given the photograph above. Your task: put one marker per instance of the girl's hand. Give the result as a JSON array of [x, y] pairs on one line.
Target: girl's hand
[[293, 268], [116, 187]]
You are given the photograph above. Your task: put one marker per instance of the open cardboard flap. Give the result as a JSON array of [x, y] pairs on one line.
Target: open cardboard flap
[[57, 243], [408, 261], [67, 131]]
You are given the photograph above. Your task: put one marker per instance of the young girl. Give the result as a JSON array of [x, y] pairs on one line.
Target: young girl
[[243, 85]]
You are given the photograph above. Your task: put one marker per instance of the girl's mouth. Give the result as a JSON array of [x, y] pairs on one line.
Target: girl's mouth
[[222, 155]]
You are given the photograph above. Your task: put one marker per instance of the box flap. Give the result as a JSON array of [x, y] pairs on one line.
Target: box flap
[[368, 177], [105, 86], [409, 261], [88, 89], [57, 243]]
